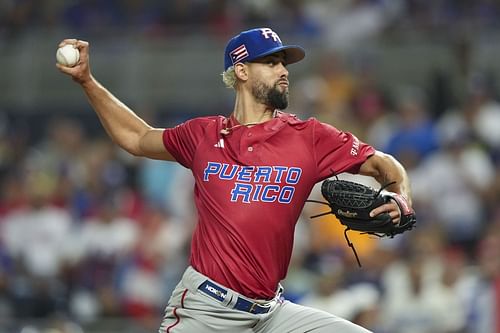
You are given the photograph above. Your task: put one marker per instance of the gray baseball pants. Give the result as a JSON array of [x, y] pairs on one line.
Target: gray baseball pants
[[199, 305]]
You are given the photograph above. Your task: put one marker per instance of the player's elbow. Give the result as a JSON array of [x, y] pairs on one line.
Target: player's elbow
[[130, 144], [378, 165], [135, 152]]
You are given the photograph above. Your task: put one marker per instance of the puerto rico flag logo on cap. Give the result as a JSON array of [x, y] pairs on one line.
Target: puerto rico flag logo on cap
[[239, 54]]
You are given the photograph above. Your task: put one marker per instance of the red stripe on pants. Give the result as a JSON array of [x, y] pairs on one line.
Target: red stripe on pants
[[178, 319]]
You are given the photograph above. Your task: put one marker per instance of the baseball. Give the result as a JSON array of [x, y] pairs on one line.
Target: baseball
[[67, 55]]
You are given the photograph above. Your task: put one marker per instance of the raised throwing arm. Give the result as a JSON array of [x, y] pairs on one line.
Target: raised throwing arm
[[123, 126]]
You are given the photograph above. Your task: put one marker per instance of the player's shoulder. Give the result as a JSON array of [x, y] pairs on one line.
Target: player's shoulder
[[295, 121], [204, 122], [311, 125]]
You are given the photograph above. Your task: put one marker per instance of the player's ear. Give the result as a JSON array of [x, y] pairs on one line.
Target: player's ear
[[241, 71]]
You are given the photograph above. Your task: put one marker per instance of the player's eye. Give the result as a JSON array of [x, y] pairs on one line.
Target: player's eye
[[274, 62]]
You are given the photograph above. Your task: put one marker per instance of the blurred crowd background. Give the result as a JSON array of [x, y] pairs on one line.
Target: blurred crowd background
[[94, 240]]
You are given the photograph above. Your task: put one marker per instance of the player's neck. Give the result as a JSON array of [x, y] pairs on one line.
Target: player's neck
[[248, 111]]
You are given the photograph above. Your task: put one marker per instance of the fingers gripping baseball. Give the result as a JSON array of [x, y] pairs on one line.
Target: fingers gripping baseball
[[81, 71]]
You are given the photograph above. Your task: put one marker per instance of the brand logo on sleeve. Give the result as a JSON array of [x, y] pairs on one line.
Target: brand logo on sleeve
[[355, 146]]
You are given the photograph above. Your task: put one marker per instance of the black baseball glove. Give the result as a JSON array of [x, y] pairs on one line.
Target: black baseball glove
[[352, 203]]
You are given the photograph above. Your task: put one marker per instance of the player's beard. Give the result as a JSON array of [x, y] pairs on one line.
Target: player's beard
[[270, 96]]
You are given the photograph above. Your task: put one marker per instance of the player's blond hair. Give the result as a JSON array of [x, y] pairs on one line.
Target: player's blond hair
[[229, 77]]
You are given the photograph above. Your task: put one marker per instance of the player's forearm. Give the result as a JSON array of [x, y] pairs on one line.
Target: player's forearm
[[123, 126], [385, 168]]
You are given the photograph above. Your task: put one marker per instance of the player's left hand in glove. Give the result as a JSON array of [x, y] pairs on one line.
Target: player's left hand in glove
[[362, 208]]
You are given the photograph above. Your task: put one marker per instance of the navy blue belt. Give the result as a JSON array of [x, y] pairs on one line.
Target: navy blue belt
[[211, 289]]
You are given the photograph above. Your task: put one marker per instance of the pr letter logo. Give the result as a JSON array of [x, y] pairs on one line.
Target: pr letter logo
[[268, 33]]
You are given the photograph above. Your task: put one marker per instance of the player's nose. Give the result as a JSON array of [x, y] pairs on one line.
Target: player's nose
[[283, 72]]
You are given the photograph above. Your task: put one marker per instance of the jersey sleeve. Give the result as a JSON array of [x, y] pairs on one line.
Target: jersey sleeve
[[337, 151], [181, 141]]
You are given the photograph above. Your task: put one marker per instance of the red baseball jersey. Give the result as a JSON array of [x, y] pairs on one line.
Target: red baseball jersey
[[251, 184]]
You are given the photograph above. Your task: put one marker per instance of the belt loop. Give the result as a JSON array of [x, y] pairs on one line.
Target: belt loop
[[233, 298], [279, 292], [229, 298]]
